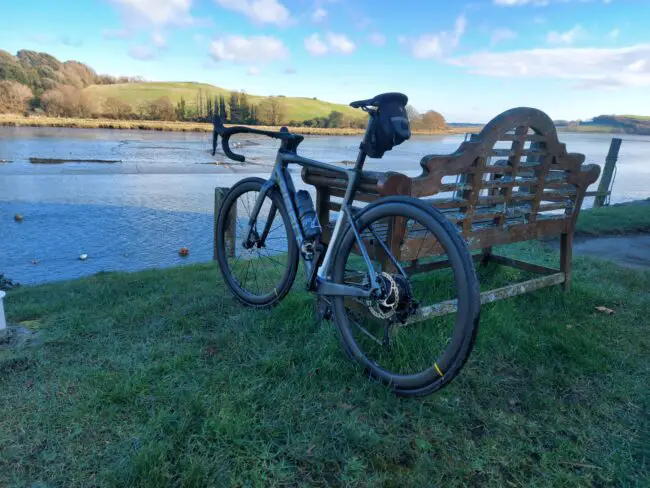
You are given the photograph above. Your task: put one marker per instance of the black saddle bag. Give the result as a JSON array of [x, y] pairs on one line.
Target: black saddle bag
[[389, 127]]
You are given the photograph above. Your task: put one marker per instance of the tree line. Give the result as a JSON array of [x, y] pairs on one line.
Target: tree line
[[33, 82]]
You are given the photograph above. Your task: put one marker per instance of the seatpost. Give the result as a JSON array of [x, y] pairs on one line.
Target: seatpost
[[361, 156]]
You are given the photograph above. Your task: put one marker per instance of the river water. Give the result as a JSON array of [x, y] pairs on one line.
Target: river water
[[138, 212]]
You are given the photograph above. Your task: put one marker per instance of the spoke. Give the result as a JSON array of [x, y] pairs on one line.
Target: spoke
[[268, 256], [362, 329], [257, 268], [248, 265]]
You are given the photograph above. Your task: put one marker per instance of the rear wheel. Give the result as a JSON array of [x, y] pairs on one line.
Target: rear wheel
[[258, 270], [401, 338]]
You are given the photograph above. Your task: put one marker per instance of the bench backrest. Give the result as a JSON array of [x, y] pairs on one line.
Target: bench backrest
[[513, 181]]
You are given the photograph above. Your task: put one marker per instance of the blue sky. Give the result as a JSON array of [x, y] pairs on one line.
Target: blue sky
[[469, 60]]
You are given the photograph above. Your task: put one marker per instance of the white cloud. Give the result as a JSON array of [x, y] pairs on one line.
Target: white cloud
[[378, 39], [334, 43], [156, 12], [568, 37], [289, 71], [436, 45], [255, 49], [253, 71], [614, 33], [315, 45], [158, 39], [142, 53], [499, 35], [589, 67], [339, 43], [319, 14], [261, 11]]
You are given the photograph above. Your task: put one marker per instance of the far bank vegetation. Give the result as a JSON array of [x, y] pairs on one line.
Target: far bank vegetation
[[33, 83]]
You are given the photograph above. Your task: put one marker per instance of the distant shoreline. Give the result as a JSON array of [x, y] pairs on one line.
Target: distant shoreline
[[161, 125]]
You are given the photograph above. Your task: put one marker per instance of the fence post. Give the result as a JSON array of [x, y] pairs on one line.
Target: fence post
[[219, 197], [608, 172], [3, 321]]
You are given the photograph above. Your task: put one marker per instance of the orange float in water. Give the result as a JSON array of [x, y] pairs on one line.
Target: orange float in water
[[183, 251]]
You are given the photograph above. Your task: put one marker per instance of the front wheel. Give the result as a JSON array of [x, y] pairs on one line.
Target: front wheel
[[259, 268], [401, 337]]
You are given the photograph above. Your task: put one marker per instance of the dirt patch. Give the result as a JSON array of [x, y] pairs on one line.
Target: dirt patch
[[631, 251]]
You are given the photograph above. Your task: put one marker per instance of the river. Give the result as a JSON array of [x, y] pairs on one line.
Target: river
[[138, 212]]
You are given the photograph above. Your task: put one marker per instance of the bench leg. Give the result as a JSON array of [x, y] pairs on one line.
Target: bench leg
[[485, 256], [566, 254]]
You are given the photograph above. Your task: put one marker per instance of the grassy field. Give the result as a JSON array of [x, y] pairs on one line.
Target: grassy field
[[624, 218], [602, 129], [298, 108], [159, 378], [21, 121]]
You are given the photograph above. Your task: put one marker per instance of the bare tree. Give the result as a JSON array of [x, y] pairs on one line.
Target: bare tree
[[161, 109], [117, 108], [412, 113], [66, 101], [273, 110], [14, 96], [431, 121]]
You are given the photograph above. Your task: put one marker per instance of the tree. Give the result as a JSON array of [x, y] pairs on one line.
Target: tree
[[234, 107], [244, 109], [222, 107], [117, 108], [161, 109], [274, 110], [180, 109], [412, 113], [431, 121], [199, 104], [217, 107], [66, 101], [14, 96], [253, 115], [209, 111], [335, 119]]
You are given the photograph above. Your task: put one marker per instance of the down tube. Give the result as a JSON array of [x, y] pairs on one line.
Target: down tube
[[287, 189]]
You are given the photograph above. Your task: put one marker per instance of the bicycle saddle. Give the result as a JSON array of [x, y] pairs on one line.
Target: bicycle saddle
[[381, 99]]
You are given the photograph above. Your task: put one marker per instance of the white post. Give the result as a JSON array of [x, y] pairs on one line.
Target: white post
[[3, 322]]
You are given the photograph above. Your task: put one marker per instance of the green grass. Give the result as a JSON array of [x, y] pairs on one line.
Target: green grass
[[298, 108], [637, 117], [615, 219], [608, 129], [160, 378]]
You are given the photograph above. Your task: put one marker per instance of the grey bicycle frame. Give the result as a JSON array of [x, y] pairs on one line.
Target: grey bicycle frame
[[281, 179]]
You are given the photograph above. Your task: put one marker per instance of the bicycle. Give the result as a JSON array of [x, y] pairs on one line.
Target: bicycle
[[355, 277]]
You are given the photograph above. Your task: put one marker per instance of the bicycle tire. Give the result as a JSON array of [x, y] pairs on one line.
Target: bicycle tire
[[446, 368], [280, 288]]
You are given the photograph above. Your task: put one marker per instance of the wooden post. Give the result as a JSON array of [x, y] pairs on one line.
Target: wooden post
[[608, 172], [219, 197]]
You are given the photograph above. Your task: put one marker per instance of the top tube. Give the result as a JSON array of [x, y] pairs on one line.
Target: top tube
[[293, 158]]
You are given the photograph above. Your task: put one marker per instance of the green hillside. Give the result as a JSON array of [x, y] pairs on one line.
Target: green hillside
[[134, 93]]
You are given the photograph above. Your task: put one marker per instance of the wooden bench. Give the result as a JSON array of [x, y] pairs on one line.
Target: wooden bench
[[512, 182]]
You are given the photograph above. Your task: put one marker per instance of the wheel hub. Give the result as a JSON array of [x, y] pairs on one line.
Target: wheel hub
[[396, 298]]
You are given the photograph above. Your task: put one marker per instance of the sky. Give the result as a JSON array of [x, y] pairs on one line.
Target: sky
[[469, 60]]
